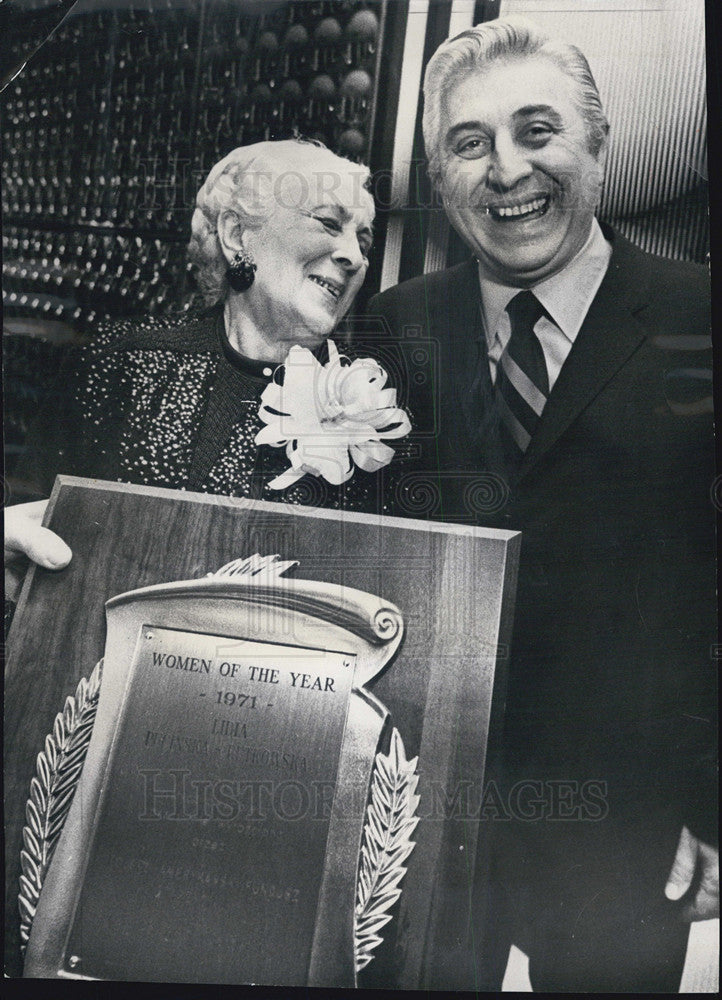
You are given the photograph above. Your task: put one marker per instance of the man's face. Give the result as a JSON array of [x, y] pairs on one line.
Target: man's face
[[518, 181]]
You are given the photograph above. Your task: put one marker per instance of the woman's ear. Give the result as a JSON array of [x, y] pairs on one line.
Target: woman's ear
[[230, 233]]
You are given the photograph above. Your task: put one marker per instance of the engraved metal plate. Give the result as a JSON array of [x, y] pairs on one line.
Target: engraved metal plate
[[213, 831]]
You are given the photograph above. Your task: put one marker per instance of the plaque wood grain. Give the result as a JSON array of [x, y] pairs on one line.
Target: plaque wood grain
[[445, 689]]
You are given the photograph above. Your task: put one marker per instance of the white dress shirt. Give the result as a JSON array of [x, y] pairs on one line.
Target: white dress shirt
[[566, 296]]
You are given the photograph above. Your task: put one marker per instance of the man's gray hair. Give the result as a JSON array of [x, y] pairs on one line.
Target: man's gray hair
[[246, 182], [505, 39]]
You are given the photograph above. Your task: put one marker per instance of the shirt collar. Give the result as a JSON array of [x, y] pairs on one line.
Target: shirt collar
[[566, 296]]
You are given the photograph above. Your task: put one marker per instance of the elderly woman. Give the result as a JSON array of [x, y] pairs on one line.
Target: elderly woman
[[280, 239]]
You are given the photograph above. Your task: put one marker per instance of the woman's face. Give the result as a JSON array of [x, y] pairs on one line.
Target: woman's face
[[311, 252]]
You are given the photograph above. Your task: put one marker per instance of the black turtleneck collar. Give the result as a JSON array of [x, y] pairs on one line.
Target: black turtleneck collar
[[261, 371]]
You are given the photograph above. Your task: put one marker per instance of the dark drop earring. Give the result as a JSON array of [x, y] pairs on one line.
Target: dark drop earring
[[241, 271]]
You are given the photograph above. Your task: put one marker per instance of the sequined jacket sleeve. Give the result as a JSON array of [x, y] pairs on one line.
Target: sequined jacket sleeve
[[60, 440]]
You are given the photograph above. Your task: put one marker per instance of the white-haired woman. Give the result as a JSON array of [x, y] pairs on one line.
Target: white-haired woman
[[280, 239]]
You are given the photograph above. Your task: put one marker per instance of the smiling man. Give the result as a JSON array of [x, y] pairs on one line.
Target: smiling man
[[570, 384], [520, 179]]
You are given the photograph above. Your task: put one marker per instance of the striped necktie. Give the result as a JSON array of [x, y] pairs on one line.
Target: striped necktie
[[522, 383]]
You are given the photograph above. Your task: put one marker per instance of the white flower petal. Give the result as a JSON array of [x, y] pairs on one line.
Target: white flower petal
[[302, 374], [287, 478], [270, 434], [372, 455], [271, 397], [397, 424]]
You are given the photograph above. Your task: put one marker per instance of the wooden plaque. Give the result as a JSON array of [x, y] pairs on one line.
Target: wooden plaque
[[290, 685]]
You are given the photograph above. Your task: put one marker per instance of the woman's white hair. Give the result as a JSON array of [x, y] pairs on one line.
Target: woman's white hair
[[505, 39], [245, 182]]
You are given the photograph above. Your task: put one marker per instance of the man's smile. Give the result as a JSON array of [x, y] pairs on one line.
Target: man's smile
[[533, 207]]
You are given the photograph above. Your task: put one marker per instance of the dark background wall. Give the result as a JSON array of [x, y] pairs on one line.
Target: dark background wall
[[115, 120]]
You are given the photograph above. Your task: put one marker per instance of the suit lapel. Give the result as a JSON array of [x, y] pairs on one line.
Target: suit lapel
[[609, 336], [454, 316], [461, 318], [468, 419]]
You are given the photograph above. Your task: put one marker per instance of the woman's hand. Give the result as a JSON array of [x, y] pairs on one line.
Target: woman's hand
[[26, 539]]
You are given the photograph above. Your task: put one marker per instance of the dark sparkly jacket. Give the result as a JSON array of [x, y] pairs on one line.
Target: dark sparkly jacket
[[169, 403]]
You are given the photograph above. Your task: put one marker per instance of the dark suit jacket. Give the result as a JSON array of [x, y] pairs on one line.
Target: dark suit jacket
[[612, 667]]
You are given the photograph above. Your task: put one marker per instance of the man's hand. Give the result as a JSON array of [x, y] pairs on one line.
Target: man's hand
[[25, 538], [695, 867]]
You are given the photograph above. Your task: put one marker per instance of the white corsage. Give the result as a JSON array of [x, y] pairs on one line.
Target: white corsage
[[330, 417]]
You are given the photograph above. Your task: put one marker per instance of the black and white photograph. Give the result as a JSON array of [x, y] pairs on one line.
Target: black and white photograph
[[360, 496]]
